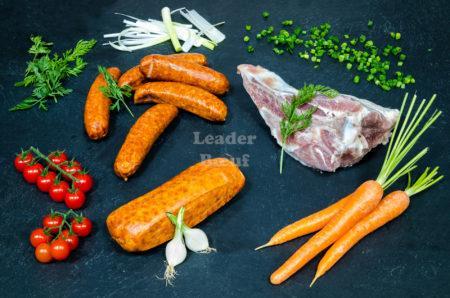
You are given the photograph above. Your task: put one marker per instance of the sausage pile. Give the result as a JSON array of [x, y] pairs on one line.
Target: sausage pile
[[172, 82]]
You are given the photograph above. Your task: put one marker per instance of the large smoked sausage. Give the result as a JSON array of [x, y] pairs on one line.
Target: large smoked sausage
[[163, 68], [190, 98], [141, 137], [134, 77], [202, 189], [96, 109]]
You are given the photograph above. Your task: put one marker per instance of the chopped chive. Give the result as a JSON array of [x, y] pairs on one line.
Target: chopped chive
[[246, 38], [265, 14], [250, 49], [349, 66], [288, 22], [356, 79], [248, 27], [398, 36], [370, 23]]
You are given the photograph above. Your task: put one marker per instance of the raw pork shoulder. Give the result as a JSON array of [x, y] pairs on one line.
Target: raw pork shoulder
[[343, 128]]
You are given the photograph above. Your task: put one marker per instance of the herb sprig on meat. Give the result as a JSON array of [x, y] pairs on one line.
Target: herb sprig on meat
[[292, 121]]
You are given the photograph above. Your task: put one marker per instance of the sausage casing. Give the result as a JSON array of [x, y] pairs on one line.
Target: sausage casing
[[202, 189], [96, 109], [141, 137], [190, 98], [134, 77], [162, 68]]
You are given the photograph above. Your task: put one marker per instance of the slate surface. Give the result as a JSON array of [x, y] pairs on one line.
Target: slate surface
[[408, 257]]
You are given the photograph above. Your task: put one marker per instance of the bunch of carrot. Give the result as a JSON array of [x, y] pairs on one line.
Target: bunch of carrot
[[346, 222]]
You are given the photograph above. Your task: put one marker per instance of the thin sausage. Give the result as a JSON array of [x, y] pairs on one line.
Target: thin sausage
[[190, 98], [202, 189], [134, 77], [96, 109], [161, 68], [141, 137]]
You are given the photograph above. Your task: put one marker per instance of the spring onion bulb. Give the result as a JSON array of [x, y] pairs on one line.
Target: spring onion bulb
[[175, 251], [140, 33], [195, 239]]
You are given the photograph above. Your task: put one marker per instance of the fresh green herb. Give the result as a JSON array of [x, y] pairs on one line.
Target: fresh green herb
[[293, 122], [113, 91], [250, 49], [356, 79], [355, 53], [47, 74], [246, 38], [248, 27], [370, 23], [265, 14], [288, 23], [278, 51]]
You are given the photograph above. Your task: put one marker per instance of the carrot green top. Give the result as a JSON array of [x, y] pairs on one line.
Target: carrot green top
[[426, 180], [405, 135]]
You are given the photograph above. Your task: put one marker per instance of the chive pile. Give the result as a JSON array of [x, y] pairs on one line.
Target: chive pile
[[378, 65]]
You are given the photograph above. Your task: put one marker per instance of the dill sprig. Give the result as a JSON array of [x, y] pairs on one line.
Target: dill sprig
[[292, 121], [113, 91], [46, 74]]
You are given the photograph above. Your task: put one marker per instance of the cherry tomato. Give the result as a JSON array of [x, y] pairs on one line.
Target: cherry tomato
[[85, 181], [31, 172], [71, 167], [22, 160], [58, 190], [38, 236], [70, 238], [52, 222], [74, 199], [60, 249], [57, 157], [45, 180], [81, 226], [42, 253]]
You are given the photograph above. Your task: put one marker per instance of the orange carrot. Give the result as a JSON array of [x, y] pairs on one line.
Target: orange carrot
[[306, 225], [369, 194], [392, 206], [361, 202]]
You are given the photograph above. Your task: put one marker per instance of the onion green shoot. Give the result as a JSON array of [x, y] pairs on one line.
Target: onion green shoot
[[405, 135], [293, 122], [167, 20]]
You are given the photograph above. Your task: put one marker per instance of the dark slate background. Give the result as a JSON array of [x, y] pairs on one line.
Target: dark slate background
[[408, 257]]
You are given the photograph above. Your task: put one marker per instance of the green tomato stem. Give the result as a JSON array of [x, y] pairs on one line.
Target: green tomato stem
[[42, 156]]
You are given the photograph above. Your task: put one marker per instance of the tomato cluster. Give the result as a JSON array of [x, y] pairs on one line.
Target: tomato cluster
[[55, 177], [59, 235]]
